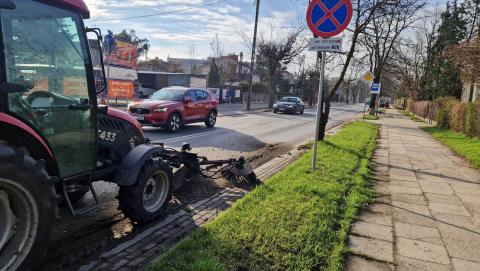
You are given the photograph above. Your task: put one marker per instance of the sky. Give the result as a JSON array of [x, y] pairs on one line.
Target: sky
[[187, 27]]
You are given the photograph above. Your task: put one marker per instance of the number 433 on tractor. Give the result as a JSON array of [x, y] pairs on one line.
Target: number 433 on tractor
[[55, 141]]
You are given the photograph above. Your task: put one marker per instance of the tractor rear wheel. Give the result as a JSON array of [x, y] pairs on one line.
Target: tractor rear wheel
[[147, 199], [28, 209]]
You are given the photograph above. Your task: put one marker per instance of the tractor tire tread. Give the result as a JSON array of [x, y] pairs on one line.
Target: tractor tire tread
[[130, 198], [19, 166]]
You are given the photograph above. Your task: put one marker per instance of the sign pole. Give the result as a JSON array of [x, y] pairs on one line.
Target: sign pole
[[319, 107]]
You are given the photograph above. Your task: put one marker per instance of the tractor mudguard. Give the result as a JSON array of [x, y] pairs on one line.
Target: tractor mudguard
[[131, 165]]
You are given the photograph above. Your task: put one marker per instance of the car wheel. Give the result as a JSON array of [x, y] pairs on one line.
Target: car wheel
[[275, 111], [174, 122], [301, 111], [211, 119]]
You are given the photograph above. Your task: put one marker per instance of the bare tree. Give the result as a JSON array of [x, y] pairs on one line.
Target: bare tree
[[350, 81], [364, 11], [466, 57], [216, 46], [383, 34], [410, 57], [277, 52]]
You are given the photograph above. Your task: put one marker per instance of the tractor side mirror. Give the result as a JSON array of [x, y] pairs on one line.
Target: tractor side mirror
[[7, 4], [102, 83]]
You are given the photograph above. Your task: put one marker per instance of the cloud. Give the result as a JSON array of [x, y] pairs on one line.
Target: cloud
[[171, 34]]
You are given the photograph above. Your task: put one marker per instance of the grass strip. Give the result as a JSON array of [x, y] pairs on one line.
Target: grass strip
[[371, 117], [411, 116], [467, 147], [297, 220]]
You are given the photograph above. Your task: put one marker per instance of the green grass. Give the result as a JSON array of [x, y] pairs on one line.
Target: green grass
[[297, 220], [465, 146], [411, 116], [371, 117]]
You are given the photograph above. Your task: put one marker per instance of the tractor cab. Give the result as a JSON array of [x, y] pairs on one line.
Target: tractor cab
[[47, 82]]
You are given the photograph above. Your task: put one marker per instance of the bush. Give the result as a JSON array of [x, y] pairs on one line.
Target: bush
[[470, 120], [458, 117], [444, 105]]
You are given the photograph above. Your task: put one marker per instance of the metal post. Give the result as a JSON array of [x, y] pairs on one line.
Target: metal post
[[319, 108], [250, 87], [365, 104]]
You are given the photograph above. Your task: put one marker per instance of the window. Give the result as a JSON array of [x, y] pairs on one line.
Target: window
[[191, 94], [46, 53], [201, 95]]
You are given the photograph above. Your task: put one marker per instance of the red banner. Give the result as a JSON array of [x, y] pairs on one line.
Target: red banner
[[124, 55], [120, 89]]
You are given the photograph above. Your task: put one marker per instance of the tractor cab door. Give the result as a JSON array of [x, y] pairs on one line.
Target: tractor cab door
[[46, 52]]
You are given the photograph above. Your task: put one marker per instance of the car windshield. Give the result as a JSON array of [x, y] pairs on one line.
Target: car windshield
[[169, 94], [288, 100]]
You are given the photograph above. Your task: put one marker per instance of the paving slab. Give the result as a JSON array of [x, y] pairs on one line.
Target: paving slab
[[445, 199], [464, 265], [356, 263], [372, 230], [409, 198], [372, 248], [421, 233], [422, 250], [376, 218], [444, 208], [410, 264]]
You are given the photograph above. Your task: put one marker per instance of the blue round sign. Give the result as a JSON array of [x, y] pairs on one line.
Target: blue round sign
[[327, 18]]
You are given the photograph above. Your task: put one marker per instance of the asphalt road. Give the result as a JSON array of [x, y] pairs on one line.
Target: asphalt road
[[259, 136], [247, 133]]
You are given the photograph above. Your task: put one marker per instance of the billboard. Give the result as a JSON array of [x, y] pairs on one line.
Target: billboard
[[124, 55], [120, 89], [75, 86]]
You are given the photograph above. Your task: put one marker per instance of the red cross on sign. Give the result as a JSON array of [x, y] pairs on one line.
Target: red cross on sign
[[327, 18]]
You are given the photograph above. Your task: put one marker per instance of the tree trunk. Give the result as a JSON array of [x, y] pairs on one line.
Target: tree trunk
[[271, 92], [470, 94], [324, 119]]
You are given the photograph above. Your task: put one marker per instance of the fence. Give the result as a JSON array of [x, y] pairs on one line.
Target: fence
[[422, 109]]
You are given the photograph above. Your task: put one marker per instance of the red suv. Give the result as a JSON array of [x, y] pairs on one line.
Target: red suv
[[174, 106]]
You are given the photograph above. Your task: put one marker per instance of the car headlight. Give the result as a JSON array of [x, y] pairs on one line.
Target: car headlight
[[160, 109], [290, 105]]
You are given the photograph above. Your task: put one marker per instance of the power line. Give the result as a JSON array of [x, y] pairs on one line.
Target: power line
[[163, 13]]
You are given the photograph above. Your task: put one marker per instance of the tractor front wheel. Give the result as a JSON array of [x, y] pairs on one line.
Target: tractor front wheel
[[28, 209], [147, 199]]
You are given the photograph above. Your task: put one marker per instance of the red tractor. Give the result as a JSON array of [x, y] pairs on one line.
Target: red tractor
[[55, 141]]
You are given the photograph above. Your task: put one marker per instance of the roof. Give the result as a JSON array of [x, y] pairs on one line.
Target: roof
[[78, 4], [172, 73]]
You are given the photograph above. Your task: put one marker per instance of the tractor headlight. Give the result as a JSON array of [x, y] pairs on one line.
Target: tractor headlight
[[160, 109]]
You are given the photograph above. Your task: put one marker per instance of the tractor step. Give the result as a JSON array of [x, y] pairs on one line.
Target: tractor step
[[84, 210]]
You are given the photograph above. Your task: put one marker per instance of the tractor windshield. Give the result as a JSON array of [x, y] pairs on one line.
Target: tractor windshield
[[46, 60], [43, 50]]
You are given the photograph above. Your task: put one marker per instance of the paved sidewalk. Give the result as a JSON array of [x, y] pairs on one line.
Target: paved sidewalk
[[427, 216]]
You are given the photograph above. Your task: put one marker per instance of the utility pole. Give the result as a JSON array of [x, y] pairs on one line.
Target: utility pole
[[250, 87]]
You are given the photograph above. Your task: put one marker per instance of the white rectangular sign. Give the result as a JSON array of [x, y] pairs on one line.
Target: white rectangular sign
[[326, 45]]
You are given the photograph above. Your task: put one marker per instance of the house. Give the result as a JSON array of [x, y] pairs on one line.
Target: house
[[188, 65], [466, 91], [232, 66], [159, 80]]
